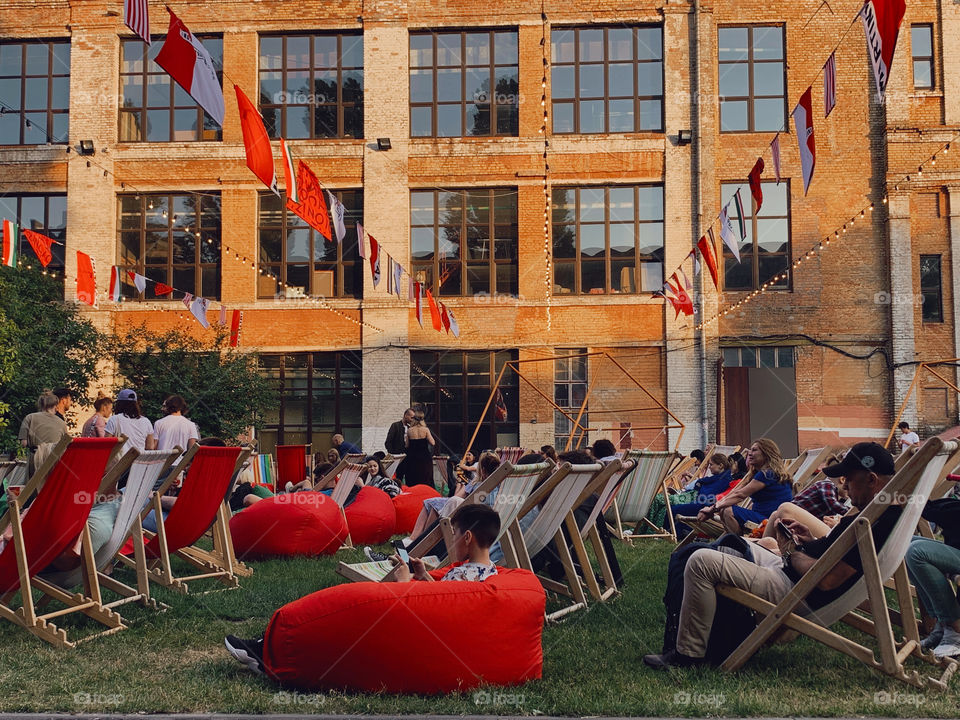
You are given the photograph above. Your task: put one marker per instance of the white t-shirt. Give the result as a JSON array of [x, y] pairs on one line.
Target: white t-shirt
[[909, 439], [175, 431], [136, 430]]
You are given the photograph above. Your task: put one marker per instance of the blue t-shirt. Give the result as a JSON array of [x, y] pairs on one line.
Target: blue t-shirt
[[773, 495], [709, 487]]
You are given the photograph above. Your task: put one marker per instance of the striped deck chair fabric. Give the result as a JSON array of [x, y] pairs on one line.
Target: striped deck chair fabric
[[637, 492]]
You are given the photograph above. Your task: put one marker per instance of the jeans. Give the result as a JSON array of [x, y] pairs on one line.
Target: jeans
[[928, 563]]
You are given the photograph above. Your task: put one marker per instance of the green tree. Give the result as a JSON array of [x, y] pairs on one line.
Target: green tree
[[44, 343], [222, 386]]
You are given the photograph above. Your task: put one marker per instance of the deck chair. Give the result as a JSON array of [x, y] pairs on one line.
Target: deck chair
[[13, 472], [354, 458], [145, 472], [201, 505], [674, 480], [349, 478], [806, 468], [633, 501], [63, 490], [510, 487], [440, 472], [912, 484], [391, 463], [293, 463], [511, 454]]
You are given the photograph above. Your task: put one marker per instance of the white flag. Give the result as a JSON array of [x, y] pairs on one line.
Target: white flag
[[727, 232], [199, 309], [361, 241], [454, 325], [337, 213], [803, 120], [139, 282], [397, 275], [223, 314]]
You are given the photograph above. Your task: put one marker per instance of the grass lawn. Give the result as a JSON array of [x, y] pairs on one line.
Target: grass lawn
[[175, 662]]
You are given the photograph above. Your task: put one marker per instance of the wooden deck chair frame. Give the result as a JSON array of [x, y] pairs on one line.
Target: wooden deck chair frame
[[349, 478], [805, 472], [914, 481], [392, 462], [440, 473], [27, 615], [656, 484], [674, 479]]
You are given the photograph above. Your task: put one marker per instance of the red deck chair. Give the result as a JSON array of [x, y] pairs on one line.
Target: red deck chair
[[65, 485], [291, 464], [200, 505]]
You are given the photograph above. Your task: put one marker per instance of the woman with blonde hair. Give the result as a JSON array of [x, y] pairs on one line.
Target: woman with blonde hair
[[766, 483]]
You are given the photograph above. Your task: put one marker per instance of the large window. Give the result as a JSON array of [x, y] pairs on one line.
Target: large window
[[569, 391], [296, 254], [453, 388], [921, 47], [752, 79], [34, 92], [758, 357], [464, 83], [766, 251], [608, 239], [931, 287], [464, 242], [155, 108], [172, 239], [607, 80], [45, 214], [321, 394], [311, 86]]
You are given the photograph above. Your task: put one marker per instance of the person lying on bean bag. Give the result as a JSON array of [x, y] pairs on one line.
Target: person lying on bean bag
[[475, 528]]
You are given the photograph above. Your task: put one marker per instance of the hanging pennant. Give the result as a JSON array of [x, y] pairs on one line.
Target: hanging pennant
[[454, 325], [375, 260], [434, 311], [418, 301], [115, 290], [881, 24], [256, 142], [87, 280], [235, 323], [726, 232], [803, 120], [361, 242], [830, 84], [10, 238], [187, 61], [397, 277], [707, 251], [187, 299], [756, 189], [199, 309], [40, 244], [338, 212], [160, 289], [311, 207], [223, 316], [289, 174], [139, 281], [775, 153]]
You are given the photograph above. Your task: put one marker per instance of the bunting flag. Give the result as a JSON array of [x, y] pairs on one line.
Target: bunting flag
[[434, 311], [187, 299], [10, 237], [445, 317], [41, 245], [696, 263], [339, 212], [199, 309], [686, 281], [310, 204], [683, 297], [707, 251], [389, 275], [830, 84], [418, 301], [160, 289], [256, 142], [361, 242], [670, 293], [741, 216], [87, 280], [499, 407], [803, 121], [289, 176], [881, 25], [775, 152], [139, 281], [115, 290], [397, 277], [454, 325], [223, 316], [726, 232], [756, 188], [410, 288], [187, 61], [375, 260], [136, 16], [235, 322]]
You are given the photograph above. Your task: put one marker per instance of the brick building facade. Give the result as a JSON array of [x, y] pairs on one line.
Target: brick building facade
[[809, 362]]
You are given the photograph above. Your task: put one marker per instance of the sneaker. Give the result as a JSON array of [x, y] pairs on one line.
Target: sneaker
[[949, 646], [288, 487], [934, 638], [407, 541], [247, 652], [672, 659], [373, 555]]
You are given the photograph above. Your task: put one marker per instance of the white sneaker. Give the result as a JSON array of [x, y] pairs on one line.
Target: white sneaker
[[373, 555], [949, 646]]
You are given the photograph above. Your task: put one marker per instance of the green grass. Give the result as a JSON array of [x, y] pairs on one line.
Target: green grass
[[175, 662]]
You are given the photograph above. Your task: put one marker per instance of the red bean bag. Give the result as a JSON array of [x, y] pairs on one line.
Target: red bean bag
[[408, 505], [303, 523], [410, 637], [371, 518]]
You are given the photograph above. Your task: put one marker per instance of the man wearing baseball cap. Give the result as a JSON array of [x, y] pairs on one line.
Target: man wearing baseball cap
[[867, 468]]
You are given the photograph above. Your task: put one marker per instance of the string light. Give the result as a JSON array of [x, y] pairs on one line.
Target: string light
[[547, 249]]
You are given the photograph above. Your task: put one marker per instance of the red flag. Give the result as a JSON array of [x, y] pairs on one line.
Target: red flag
[[707, 252], [188, 62], [445, 317], [803, 120], [756, 189], [375, 260], [256, 142], [683, 297], [115, 289], [137, 18], [86, 280], [312, 206], [670, 293], [499, 407], [881, 24], [40, 244], [235, 322], [434, 311], [160, 289]]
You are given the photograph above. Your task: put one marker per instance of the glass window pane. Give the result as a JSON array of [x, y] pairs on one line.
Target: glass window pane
[[785, 357], [768, 78], [592, 278], [768, 43], [449, 120], [592, 204], [11, 60], [478, 48], [449, 49], [650, 79], [621, 116], [731, 357], [768, 357], [651, 276], [651, 116], [421, 122], [772, 235], [733, 115], [564, 241], [449, 84], [592, 116], [768, 114], [38, 58], [591, 81], [650, 202], [620, 44], [564, 278], [421, 86], [505, 48], [649, 43], [591, 46], [621, 80], [592, 241], [562, 46], [562, 81], [562, 117], [734, 79], [298, 121], [732, 44], [774, 199], [921, 41], [770, 266], [922, 73]]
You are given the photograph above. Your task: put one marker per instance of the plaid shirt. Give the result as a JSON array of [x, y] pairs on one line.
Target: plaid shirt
[[820, 500]]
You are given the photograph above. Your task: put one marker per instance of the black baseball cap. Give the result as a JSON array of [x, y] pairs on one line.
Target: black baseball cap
[[863, 456]]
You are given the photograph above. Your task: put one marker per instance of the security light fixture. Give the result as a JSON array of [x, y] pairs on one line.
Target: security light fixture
[[684, 137], [86, 147], [383, 144]]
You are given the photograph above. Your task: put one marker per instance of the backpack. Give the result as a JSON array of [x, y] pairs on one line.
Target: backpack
[[732, 623]]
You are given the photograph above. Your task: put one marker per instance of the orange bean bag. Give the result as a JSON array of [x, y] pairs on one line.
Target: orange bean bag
[[371, 518], [408, 505], [414, 637], [303, 523]]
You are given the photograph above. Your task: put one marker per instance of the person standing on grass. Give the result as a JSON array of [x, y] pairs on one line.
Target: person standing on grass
[[908, 438], [128, 419], [175, 429], [64, 401], [95, 426], [43, 426]]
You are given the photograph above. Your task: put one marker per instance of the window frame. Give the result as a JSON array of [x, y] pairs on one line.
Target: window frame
[[577, 260], [751, 96], [202, 234], [635, 61], [354, 264], [569, 381], [58, 249], [727, 189], [49, 111], [464, 69], [312, 69], [929, 59], [126, 114], [932, 290]]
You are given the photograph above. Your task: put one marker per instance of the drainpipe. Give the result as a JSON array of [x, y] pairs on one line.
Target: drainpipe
[[696, 162]]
